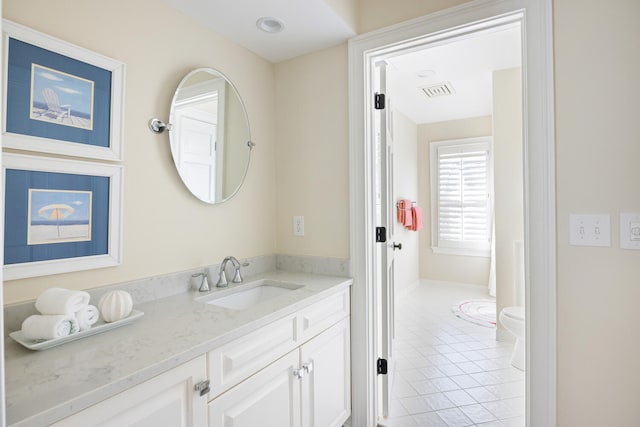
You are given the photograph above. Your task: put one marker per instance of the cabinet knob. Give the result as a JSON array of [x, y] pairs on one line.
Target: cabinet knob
[[202, 387], [299, 373], [308, 367]]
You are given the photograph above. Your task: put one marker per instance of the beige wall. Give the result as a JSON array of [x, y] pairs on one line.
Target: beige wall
[[376, 14], [313, 153], [440, 266], [166, 229], [597, 149], [508, 182], [405, 182]]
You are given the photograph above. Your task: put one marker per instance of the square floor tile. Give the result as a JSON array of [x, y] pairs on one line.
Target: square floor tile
[[450, 370], [481, 394], [454, 417], [431, 372], [465, 381], [438, 401], [430, 419], [460, 397], [396, 409], [477, 413], [444, 384], [508, 390], [501, 409], [415, 405], [470, 367], [423, 386]]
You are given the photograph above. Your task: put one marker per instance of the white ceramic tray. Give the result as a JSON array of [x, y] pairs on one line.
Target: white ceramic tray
[[100, 326]]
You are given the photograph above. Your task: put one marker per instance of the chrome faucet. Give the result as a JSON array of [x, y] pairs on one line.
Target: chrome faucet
[[204, 284], [237, 277]]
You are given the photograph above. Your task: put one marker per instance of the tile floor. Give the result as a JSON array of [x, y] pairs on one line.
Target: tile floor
[[450, 372]]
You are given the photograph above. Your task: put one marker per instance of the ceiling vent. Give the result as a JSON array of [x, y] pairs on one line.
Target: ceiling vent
[[441, 89]]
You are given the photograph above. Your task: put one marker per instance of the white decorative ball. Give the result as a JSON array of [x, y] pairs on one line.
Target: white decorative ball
[[115, 305]]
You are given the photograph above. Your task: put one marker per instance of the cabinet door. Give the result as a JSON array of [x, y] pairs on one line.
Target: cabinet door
[[166, 400], [270, 398], [326, 389]]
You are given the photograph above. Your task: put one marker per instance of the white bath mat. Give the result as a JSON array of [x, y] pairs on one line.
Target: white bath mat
[[479, 311]]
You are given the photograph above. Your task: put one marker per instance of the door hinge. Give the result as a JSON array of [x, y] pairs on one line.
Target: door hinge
[[382, 366], [379, 101], [381, 234]]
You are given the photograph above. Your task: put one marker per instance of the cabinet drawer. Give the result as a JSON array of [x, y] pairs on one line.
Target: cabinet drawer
[[235, 361], [321, 315]]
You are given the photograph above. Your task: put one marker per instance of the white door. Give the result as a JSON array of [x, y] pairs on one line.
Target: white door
[[196, 152], [385, 216]]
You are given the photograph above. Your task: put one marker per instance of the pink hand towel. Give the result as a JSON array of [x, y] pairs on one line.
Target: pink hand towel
[[404, 213], [417, 221]]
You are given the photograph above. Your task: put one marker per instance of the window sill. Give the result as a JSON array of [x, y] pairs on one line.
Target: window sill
[[461, 252]]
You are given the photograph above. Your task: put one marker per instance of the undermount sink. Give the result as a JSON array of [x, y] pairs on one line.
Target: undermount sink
[[249, 294]]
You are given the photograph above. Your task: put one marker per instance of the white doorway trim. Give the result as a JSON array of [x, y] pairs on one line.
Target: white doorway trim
[[539, 171]]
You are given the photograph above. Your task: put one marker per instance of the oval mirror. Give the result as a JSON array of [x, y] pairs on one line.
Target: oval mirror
[[210, 138]]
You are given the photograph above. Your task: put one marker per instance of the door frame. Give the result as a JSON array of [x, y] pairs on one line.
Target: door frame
[[539, 182]]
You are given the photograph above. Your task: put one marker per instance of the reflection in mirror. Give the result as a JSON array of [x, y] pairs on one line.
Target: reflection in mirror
[[210, 138]]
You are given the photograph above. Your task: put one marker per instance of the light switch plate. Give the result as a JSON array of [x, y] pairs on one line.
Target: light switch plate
[[590, 230], [630, 230]]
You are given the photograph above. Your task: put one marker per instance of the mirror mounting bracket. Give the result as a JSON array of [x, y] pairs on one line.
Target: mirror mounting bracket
[[158, 126]]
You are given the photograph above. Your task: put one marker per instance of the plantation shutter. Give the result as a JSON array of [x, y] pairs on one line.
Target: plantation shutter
[[463, 185]]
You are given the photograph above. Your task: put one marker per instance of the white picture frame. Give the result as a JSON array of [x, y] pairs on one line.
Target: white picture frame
[[21, 173], [23, 130]]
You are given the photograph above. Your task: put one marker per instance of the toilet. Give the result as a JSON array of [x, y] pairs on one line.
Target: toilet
[[513, 318]]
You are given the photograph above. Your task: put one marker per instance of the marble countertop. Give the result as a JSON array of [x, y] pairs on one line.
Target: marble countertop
[[45, 386]]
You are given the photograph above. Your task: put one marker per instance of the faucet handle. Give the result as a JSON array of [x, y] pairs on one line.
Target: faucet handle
[[204, 284], [237, 277]]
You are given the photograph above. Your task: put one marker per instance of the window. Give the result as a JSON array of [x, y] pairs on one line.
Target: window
[[461, 196]]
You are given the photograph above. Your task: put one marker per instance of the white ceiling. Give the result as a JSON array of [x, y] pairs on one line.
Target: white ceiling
[[466, 64], [311, 25]]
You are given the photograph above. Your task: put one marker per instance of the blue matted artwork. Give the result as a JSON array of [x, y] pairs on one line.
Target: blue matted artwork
[[70, 188], [83, 89]]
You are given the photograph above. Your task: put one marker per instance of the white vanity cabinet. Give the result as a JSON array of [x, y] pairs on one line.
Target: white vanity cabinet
[[308, 387], [169, 399], [303, 379]]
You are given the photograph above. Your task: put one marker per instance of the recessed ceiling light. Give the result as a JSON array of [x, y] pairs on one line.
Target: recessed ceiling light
[[270, 25]]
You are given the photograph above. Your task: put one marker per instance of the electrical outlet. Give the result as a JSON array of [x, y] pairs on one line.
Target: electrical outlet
[[630, 231], [590, 230], [298, 226]]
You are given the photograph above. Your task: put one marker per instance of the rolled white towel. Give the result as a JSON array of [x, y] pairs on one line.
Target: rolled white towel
[[46, 327], [61, 301], [87, 316]]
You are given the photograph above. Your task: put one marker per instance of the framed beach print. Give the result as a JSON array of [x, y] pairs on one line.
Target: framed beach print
[[60, 98], [60, 215]]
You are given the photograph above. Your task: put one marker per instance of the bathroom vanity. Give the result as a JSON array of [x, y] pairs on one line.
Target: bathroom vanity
[[284, 361]]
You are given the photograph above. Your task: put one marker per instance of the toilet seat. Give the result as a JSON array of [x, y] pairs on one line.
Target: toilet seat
[[516, 313]]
